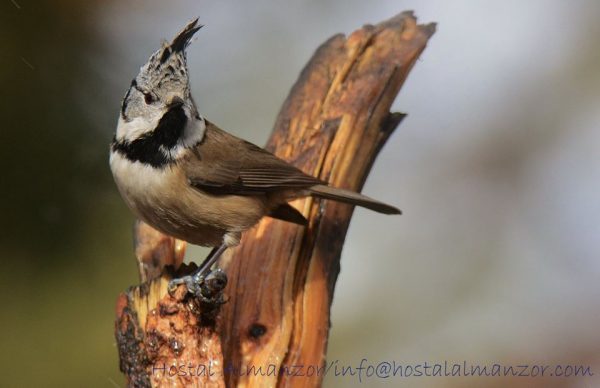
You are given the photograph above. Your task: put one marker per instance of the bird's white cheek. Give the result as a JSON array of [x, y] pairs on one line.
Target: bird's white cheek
[[134, 129], [193, 134]]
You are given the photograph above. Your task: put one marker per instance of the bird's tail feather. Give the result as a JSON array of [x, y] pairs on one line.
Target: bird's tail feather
[[347, 196]]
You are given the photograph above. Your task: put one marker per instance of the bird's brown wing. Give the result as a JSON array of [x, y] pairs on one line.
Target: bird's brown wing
[[225, 164]]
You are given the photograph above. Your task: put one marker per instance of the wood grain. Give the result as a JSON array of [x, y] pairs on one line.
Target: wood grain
[[332, 125]]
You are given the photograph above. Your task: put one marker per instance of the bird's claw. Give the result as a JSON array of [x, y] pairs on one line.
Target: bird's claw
[[193, 283], [207, 289]]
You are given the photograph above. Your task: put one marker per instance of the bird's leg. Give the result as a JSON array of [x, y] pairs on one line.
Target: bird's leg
[[209, 256], [194, 281], [210, 260]]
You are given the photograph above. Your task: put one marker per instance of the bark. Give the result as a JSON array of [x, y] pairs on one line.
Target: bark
[[282, 277]]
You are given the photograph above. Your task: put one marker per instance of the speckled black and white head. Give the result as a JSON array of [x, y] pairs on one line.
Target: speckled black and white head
[[158, 118]]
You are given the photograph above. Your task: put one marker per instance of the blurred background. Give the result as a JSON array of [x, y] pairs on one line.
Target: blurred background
[[497, 169]]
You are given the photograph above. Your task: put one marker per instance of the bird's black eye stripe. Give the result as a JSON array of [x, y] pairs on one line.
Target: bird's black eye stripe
[[124, 103], [148, 97], [126, 98]]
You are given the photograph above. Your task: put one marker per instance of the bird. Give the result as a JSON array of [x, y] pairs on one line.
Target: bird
[[184, 176]]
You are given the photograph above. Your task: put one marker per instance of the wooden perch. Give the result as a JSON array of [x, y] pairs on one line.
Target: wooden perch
[[282, 276]]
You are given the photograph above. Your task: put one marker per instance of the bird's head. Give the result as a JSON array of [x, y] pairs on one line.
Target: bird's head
[[160, 91]]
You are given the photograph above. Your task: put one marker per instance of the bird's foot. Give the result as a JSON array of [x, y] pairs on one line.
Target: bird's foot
[[207, 289], [192, 283]]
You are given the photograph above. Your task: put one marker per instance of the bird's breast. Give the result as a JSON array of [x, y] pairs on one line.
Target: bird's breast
[[163, 198]]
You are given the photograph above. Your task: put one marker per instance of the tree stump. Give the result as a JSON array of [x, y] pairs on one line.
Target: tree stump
[[275, 317]]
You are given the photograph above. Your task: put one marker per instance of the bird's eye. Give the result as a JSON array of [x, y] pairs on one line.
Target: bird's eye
[[148, 98]]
